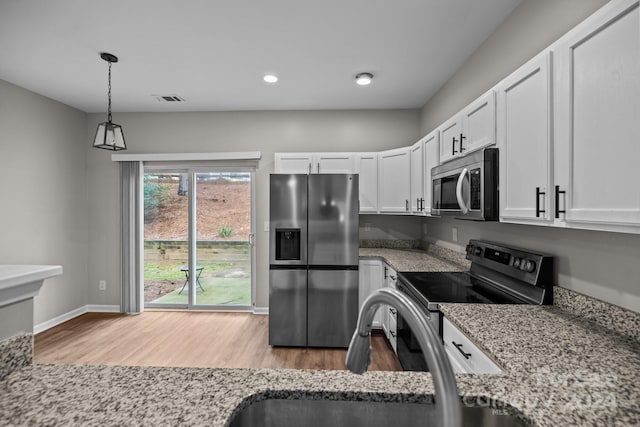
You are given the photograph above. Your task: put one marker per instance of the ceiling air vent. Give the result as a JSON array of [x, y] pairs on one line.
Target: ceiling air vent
[[168, 98]]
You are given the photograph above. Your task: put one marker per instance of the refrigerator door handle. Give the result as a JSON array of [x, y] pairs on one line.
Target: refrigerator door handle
[[251, 239]]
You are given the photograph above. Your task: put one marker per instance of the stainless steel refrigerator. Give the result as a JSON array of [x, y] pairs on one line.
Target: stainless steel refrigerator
[[313, 259]]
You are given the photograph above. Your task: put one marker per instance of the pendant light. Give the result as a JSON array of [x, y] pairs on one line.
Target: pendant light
[[109, 135]]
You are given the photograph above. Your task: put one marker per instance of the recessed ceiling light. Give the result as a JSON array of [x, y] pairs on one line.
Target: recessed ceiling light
[[270, 78], [364, 79]]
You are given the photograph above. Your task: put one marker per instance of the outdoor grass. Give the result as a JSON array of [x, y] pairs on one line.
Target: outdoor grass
[[217, 291], [154, 270]]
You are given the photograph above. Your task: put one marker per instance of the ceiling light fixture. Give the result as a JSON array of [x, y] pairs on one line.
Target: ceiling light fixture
[[109, 135], [270, 78], [364, 79]]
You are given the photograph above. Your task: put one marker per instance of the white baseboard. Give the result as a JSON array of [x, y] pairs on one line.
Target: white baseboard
[[94, 308], [260, 310], [48, 324]]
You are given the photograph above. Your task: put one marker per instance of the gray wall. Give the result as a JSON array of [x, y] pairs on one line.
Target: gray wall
[[267, 132], [16, 318], [602, 265], [531, 27], [43, 219]]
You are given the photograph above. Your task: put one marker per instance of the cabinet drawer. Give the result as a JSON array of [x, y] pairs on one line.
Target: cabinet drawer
[[464, 355]]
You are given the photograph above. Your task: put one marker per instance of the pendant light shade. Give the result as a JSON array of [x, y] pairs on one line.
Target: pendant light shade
[[109, 135]]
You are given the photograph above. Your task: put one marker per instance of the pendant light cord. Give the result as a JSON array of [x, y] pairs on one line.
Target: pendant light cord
[[109, 95]]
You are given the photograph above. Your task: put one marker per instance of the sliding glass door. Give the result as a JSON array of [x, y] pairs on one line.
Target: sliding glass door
[[198, 238]]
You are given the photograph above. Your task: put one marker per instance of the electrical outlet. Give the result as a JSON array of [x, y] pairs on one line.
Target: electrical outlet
[[454, 234], [103, 285]]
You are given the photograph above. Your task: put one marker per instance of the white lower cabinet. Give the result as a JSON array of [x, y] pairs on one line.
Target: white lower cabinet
[[389, 317], [370, 279], [464, 356]]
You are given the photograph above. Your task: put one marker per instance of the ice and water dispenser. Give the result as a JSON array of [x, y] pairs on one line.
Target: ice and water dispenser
[[287, 244]]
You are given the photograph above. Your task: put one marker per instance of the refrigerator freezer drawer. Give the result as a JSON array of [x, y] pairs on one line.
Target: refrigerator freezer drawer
[[333, 307], [288, 307]]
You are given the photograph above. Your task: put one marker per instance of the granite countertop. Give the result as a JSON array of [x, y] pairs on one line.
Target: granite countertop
[[434, 259], [560, 369]]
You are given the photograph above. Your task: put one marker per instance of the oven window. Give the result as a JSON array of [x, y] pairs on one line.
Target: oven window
[[409, 352], [448, 198]]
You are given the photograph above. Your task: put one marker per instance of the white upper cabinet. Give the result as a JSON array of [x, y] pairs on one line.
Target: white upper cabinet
[[314, 163], [471, 129], [417, 178], [524, 139], [395, 180], [597, 122], [479, 123], [333, 163], [450, 132], [367, 168], [431, 159], [292, 162]]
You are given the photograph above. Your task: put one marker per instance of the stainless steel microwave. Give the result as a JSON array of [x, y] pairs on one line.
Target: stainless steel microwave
[[467, 187]]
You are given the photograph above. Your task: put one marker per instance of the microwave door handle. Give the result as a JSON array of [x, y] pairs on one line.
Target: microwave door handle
[[463, 206]]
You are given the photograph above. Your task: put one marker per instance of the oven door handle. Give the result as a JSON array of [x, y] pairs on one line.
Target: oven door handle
[[463, 206]]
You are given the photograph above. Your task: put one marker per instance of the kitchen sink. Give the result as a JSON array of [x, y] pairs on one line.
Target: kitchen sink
[[315, 413]]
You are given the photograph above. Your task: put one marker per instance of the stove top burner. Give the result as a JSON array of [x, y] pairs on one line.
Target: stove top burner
[[456, 287]]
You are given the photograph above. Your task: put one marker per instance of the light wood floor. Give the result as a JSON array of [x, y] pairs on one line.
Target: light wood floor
[[186, 339]]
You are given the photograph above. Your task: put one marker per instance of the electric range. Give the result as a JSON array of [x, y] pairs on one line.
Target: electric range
[[499, 274]]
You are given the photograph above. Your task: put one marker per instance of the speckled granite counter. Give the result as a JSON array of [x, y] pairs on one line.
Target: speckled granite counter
[[434, 259], [560, 370]]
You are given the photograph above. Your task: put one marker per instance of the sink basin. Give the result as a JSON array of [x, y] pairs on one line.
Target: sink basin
[[314, 413]]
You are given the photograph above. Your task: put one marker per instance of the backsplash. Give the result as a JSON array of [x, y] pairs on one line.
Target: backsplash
[[390, 244], [15, 352]]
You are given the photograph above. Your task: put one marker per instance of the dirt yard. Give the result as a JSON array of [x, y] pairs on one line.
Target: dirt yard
[[219, 204]]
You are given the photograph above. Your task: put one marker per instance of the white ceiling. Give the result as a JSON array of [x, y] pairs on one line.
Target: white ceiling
[[213, 53]]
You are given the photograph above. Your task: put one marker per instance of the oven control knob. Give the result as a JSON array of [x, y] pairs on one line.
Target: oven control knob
[[516, 262], [477, 250], [528, 266]]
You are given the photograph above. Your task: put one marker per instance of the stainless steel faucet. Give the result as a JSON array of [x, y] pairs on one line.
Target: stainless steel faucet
[[447, 401]]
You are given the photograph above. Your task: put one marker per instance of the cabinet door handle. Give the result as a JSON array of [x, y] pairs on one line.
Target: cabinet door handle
[[393, 334], [558, 193], [538, 194], [392, 311], [318, 167], [461, 138], [459, 347], [406, 205], [385, 273], [453, 146]]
